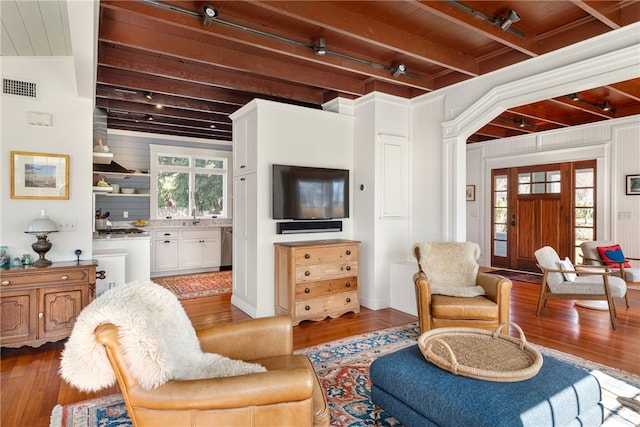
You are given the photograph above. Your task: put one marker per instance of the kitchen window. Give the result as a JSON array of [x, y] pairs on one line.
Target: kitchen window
[[189, 182]]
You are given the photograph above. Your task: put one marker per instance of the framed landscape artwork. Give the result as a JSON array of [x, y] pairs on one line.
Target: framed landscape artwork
[[39, 176], [633, 184]]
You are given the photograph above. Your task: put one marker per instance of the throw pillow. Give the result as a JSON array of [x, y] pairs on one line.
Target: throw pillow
[[612, 256], [566, 265]]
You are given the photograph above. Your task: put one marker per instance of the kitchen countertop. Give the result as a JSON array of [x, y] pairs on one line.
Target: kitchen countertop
[[121, 236]]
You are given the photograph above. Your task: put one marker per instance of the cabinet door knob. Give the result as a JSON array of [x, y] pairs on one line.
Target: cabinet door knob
[[242, 166], [65, 277], [348, 252], [306, 307], [307, 290], [348, 284], [348, 268], [307, 256], [348, 299], [307, 273], [167, 241], [40, 315], [5, 282]]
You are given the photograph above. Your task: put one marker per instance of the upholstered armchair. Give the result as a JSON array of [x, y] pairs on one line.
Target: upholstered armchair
[[619, 267], [563, 280], [238, 374], [450, 290]]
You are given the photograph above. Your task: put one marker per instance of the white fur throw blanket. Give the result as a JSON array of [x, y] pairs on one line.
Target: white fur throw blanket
[[451, 267], [156, 335]]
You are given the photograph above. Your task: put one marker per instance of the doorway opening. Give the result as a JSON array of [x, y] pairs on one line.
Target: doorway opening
[[541, 205]]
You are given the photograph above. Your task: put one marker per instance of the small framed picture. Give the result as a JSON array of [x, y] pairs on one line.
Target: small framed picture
[[39, 176], [471, 193], [633, 185]]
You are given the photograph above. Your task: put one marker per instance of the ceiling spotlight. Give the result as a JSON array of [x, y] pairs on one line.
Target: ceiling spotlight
[[212, 126], [148, 95], [321, 47], [210, 13], [150, 118], [398, 70], [521, 122], [506, 23], [575, 97], [606, 106], [159, 106]]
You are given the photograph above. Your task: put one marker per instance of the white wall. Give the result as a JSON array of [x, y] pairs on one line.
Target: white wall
[[615, 144], [71, 134]]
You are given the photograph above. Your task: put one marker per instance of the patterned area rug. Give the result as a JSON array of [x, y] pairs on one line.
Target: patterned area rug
[[199, 285], [520, 276], [343, 369]]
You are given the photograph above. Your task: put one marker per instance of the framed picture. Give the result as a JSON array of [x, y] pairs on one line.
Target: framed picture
[[471, 193], [633, 185], [39, 176]]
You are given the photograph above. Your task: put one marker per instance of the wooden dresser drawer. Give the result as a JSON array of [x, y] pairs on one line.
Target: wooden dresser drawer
[[46, 277], [326, 287], [313, 273], [331, 305], [320, 255]]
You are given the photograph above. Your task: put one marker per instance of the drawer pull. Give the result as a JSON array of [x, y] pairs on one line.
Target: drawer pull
[[307, 256], [348, 284], [6, 282], [167, 241], [348, 252], [306, 307], [167, 234], [348, 268], [307, 273], [65, 277], [348, 299], [307, 290]]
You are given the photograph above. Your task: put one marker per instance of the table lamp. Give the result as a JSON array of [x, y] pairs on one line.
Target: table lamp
[[40, 227]]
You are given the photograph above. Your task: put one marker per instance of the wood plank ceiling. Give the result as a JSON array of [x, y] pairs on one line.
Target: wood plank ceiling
[[162, 69]]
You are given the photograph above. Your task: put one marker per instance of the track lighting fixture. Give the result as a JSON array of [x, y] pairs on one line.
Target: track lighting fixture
[[503, 23], [605, 106], [210, 13], [521, 122], [148, 95], [150, 118], [398, 69], [321, 47], [511, 18]]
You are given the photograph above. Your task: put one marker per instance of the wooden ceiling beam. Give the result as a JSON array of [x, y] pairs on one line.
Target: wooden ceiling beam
[[166, 100], [151, 128], [194, 50], [528, 46], [629, 88], [342, 21], [228, 81], [275, 46], [131, 107], [607, 12], [170, 122]]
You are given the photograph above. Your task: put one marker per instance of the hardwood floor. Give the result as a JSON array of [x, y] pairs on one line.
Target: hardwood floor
[[31, 386]]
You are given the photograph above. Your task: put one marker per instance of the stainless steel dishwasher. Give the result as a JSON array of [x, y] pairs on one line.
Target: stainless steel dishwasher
[[226, 248]]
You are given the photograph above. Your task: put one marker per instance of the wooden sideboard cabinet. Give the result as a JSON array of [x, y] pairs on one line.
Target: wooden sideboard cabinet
[[40, 305], [317, 279]]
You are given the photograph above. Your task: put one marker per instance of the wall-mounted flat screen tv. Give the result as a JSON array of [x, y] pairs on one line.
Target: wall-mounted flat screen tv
[[309, 193]]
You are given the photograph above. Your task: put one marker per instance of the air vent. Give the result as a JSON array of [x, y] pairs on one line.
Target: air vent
[[19, 88]]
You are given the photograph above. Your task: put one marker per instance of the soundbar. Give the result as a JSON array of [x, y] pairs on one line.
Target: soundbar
[[308, 227]]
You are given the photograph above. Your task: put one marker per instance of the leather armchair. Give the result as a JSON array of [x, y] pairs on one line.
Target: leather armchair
[[288, 394], [436, 310]]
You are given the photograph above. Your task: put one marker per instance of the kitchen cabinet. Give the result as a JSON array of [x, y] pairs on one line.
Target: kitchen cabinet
[[200, 248], [41, 305], [189, 250], [166, 246], [317, 279]]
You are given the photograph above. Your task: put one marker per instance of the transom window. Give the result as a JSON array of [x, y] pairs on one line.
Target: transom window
[[189, 182]]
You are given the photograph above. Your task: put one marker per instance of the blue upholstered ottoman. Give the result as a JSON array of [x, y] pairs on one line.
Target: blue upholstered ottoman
[[418, 393]]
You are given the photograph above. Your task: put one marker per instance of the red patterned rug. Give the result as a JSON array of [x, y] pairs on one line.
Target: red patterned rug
[[189, 286], [520, 276]]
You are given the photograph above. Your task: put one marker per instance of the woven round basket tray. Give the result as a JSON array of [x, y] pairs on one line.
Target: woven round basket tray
[[481, 354]]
